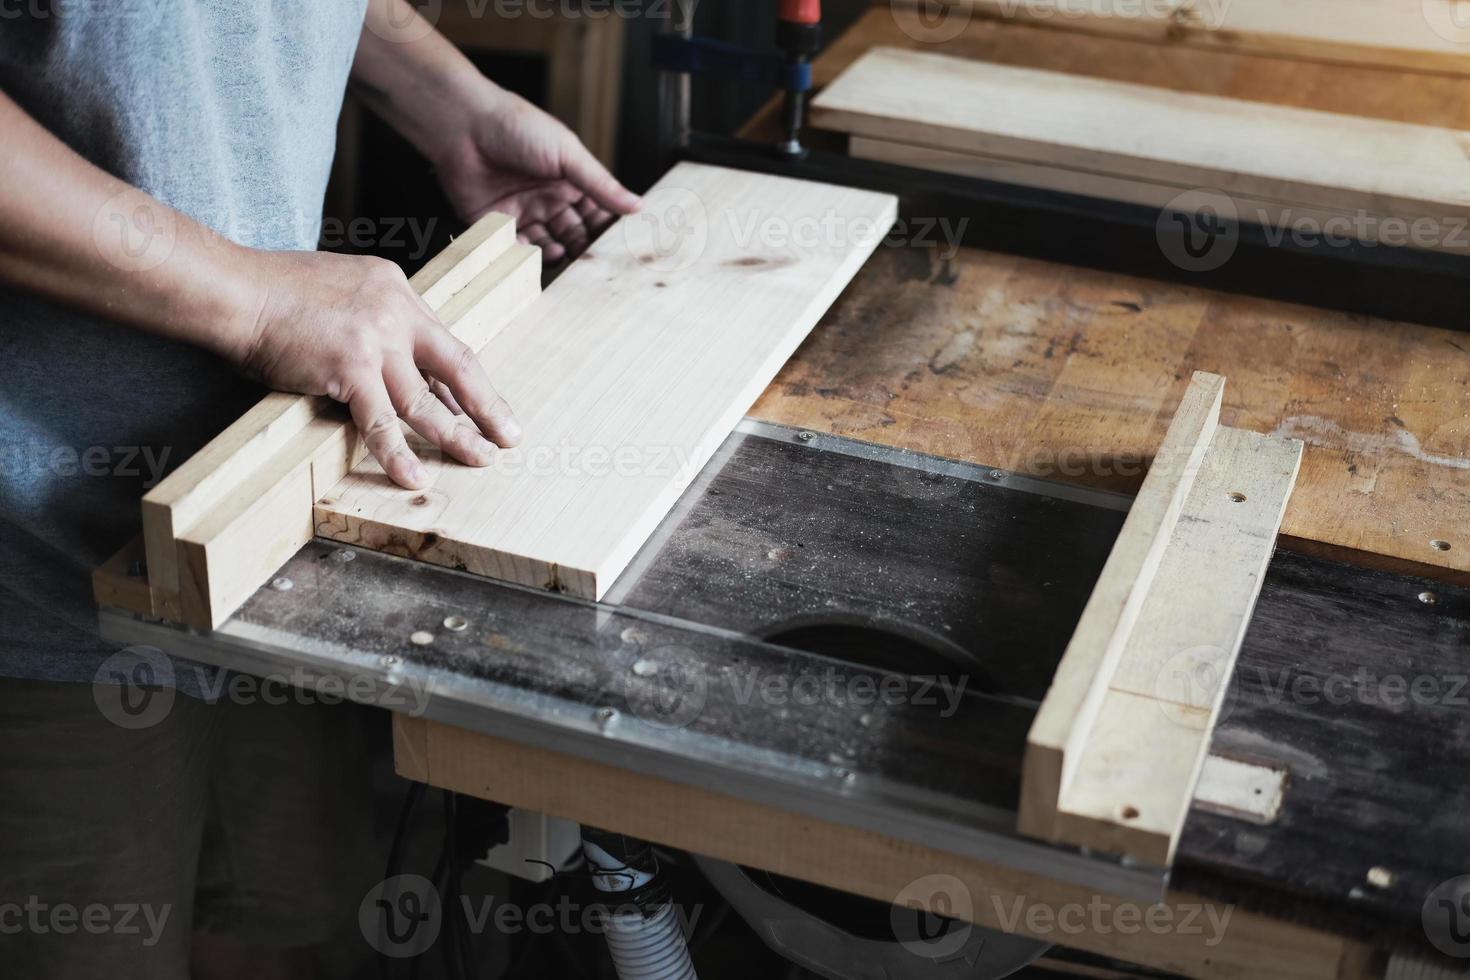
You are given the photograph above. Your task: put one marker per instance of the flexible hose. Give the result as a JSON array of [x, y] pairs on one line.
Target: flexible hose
[[641, 928]]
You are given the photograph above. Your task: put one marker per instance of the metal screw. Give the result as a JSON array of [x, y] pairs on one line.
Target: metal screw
[[1381, 877], [422, 638], [1428, 598], [606, 716], [997, 475], [806, 435], [344, 554], [1439, 544], [645, 668], [282, 584], [390, 661], [844, 775], [456, 624]]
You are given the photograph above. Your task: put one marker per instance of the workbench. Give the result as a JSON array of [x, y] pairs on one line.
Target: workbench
[[974, 382]]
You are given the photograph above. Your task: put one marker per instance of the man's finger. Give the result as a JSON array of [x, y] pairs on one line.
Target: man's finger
[[593, 179], [569, 230], [417, 404], [551, 249], [449, 360], [377, 421], [442, 392]]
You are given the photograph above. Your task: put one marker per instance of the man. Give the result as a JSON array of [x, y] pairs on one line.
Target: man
[[163, 172]]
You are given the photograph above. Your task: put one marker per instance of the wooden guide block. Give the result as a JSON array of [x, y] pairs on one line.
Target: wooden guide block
[[626, 375], [218, 526], [1288, 168], [1116, 750]]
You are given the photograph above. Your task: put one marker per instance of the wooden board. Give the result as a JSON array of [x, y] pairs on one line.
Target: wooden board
[[1279, 218], [221, 523], [626, 376], [730, 829], [1136, 773], [1270, 157], [1064, 724], [1421, 35]]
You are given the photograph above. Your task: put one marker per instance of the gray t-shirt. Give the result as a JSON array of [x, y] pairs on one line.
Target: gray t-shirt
[[223, 109]]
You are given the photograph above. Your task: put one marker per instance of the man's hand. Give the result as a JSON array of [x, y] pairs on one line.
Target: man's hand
[[352, 328], [514, 158], [493, 150]]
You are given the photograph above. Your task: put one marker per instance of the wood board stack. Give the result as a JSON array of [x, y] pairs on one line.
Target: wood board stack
[[1295, 171], [1418, 35]]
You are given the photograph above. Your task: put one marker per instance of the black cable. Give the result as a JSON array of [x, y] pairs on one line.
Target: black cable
[[395, 854]]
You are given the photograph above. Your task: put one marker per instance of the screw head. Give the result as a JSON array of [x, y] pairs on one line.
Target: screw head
[[282, 584], [806, 435]]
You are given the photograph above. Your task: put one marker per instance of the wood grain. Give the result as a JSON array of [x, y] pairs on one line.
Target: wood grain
[[626, 376], [1420, 35], [1135, 777], [857, 861], [1276, 165], [1064, 725]]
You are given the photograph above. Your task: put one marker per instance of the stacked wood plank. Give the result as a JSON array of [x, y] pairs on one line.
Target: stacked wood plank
[[1293, 170], [1419, 35]]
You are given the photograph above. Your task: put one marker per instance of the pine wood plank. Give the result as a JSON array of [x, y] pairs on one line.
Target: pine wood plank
[[1420, 35], [1262, 153], [626, 376], [1421, 231], [1065, 721], [1137, 773]]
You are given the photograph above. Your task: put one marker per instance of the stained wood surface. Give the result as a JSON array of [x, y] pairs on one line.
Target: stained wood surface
[[1179, 141], [1422, 35], [1073, 373], [626, 376]]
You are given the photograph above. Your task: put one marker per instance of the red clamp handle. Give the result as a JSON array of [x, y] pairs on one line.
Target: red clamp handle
[[800, 11]]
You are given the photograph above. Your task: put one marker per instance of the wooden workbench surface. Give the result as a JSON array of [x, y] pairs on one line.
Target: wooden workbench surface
[[1073, 374]]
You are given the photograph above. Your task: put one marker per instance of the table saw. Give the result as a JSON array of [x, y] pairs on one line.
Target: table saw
[[899, 505]]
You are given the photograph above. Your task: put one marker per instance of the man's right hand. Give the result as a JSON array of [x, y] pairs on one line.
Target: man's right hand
[[351, 328]]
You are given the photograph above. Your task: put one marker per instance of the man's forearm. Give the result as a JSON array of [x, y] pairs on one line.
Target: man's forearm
[[414, 78], [78, 235]]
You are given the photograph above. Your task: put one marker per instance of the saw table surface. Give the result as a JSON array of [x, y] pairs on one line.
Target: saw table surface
[[1072, 374]]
